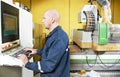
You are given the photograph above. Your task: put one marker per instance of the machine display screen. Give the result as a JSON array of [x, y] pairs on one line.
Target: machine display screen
[[9, 23]]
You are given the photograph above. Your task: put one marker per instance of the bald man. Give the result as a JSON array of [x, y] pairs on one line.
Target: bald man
[[55, 60]]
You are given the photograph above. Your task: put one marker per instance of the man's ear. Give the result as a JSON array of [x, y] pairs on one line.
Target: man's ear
[[53, 20]]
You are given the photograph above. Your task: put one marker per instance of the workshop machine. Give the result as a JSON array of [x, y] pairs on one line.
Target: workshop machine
[[99, 43]]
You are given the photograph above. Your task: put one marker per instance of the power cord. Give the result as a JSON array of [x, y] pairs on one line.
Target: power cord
[[114, 64], [91, 66]]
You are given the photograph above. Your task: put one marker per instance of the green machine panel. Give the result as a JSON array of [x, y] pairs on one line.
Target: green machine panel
[[103, 33]]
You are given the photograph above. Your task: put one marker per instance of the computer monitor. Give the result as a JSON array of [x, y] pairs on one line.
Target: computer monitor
[[9, 24], [10, 31]]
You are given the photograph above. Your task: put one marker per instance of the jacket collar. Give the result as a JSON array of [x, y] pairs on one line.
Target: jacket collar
[[54, 30]]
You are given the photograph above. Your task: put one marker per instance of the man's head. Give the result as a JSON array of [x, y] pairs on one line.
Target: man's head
[[51, 19]]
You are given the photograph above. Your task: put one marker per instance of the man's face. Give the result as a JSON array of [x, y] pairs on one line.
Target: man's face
[[46, 21]]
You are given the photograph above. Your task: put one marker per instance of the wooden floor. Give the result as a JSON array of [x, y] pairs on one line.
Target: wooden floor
[[37, 75]]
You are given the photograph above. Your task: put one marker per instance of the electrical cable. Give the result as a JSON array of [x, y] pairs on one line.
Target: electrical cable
[[91, 66], [107, 66], [87, 53]]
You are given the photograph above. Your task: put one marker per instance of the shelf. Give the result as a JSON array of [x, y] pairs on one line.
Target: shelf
[[108, 47], [83, 44]]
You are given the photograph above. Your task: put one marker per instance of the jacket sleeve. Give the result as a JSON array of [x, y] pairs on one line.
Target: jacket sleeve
[[56, 51], [32, 66], [39, 52]]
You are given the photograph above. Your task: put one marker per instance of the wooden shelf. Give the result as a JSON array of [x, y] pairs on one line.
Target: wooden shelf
[[83, 44], [108, 47]]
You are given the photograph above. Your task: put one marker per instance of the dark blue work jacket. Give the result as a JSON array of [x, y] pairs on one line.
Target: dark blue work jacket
[[55, 60]]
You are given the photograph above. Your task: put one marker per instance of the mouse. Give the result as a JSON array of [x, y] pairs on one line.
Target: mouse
[[28, 54], [29, 51]]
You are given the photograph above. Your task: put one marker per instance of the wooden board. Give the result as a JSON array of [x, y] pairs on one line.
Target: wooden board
[[108, 47], [83, 44]]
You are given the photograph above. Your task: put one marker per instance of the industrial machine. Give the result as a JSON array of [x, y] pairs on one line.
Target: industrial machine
[[16, 30], [100, 44]]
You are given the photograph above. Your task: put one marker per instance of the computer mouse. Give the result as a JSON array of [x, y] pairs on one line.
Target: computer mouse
[[28, 54], [29, 51]]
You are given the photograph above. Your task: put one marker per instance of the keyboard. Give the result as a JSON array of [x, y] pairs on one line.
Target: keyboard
[[22, 51]]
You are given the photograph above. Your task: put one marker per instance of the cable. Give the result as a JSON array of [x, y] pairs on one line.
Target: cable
[[91, 66], [114, 64], [86, 52]]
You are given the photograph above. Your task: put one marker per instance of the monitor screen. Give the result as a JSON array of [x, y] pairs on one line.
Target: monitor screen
[[9, 23], [10, 31]]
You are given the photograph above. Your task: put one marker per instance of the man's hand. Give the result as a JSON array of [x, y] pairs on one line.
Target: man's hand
[[23, 58]]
